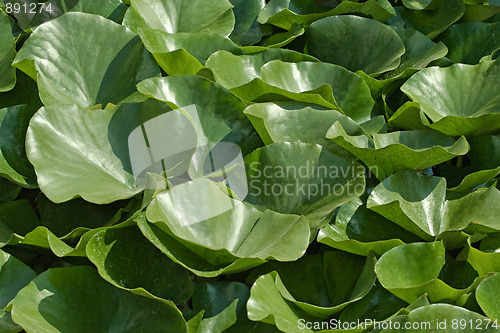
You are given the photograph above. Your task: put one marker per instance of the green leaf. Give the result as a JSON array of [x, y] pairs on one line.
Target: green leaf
[[16, 217], [8, 190], [286, 13], [221, 230], [14, 164], [180, 16], [330, 40], [420, 51], [487, 296], [350, 92], [56, 59], [293, 121], [429, 22], [220, 112], [409, 117], [386, 154], [300, 178], [243, 75], [193, 49], [14, 276], [410, 270], [140, 268], [59, 148], [404, 196], [63, 218], [7, 54], [247, 31], [358, 230], [451, 98], [416, 4], [311, 289], [469, 42], [76, 298], [483, 261]]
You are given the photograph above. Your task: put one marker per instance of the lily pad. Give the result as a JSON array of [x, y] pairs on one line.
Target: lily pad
[[7, 54], [300, 178], [386, 154], [410, 270], [77, 298], [225, 232], [180, 16], [183, 53], [470, 41], [377, 49], [117, 262], [454, 101], [14, 276], [402, 197], [58, 147], [312, 288], [358, 230], [286, 13], [487, 296], [55, 59]]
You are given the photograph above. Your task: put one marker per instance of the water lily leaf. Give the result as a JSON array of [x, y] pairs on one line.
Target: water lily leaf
[[378, 48], [429, 22], [409, 117], [8, 190], [77, 298], [180, 16], [320, 290], [411, 270], [7, 54], [245, 78], [29, 17], [484, 261], [350, 92], [247, 30], [14, 276], [222, 305], [222, 230], [452, 100], [420, 51], [416, 4], [220, 112], [14, 164], [357, 229], [286, 13], [117, 262], [470, 41], [404, 196], [300, 178], [58, 146], [16, 217], [389, 153], [197, 47], [371, 307], [57, 65], [472, 180], [293, 121], [486, 295]]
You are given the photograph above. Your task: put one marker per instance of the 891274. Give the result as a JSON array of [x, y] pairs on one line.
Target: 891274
[[27, 8]]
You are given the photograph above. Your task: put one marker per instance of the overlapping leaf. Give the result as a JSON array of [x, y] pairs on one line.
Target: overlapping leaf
[[58, 61]]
